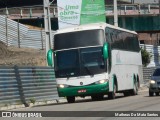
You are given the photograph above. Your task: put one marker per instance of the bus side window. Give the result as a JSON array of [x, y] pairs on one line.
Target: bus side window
[[127, 41], [108, 36], [136, 43]]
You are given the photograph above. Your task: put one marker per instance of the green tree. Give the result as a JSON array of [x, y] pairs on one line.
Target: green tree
[[146, 56]]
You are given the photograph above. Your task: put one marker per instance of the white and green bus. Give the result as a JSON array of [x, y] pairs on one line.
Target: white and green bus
[[96, 60]]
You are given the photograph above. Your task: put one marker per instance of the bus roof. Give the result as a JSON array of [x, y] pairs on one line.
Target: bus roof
[[91, 26]]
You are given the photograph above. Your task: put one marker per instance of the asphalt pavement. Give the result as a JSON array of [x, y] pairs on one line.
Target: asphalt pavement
[[138, 104]]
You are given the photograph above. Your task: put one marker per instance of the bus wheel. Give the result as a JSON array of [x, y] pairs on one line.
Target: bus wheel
[[150, 93], [135, 89], [126, 93], [71, 99], [97, 97], [157, 93], [112, 95]]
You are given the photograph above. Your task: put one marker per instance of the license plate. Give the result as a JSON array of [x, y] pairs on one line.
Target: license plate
[[82, 91]]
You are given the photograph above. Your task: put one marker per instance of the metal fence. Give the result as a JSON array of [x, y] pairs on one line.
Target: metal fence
[[147, 72], [11, 30], [34, 36], [155, 53], [9, 93], [16, 34], [23, 85], [34, 39]]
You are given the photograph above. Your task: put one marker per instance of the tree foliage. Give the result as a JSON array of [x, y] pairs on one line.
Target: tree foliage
[[146, 56]]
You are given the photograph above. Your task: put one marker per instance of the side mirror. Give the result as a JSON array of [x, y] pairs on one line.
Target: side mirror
[[105, 51], [50, 57]]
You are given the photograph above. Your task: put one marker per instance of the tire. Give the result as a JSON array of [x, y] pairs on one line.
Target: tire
[[71, 99], [97, 97], [112, 95], [150, 93], [94, 98], [157, 93], [135, 89], [126, 93]]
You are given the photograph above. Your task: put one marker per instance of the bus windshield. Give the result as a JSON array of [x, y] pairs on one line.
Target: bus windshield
[[79, 62], [91, 58]]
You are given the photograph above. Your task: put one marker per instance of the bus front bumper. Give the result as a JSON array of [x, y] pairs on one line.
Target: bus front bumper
[[84, 90]]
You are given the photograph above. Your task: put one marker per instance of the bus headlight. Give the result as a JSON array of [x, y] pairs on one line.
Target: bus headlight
[[152, 82], [101, 81], [62, 86]]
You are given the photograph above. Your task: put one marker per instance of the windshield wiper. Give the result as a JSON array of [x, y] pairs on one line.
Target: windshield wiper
[[87, 69]]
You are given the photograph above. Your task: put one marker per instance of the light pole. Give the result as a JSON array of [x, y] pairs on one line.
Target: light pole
[[115, 14], [47, 24]]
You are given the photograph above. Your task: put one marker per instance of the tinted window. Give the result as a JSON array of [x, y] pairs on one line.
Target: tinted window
[[67, 63], [122, 40], [79, 62], [92, 61], [78, 39]]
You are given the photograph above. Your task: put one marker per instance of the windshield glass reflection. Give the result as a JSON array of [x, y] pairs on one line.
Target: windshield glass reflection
[[79, 62]]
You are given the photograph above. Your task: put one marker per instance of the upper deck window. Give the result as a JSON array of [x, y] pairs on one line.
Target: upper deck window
[[79, 39]]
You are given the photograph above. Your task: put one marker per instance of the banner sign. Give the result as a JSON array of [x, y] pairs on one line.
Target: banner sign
[[78, 12], [92, 11]]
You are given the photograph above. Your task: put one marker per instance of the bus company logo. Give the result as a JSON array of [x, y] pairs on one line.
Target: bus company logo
[[81, 83], [6, 114]]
